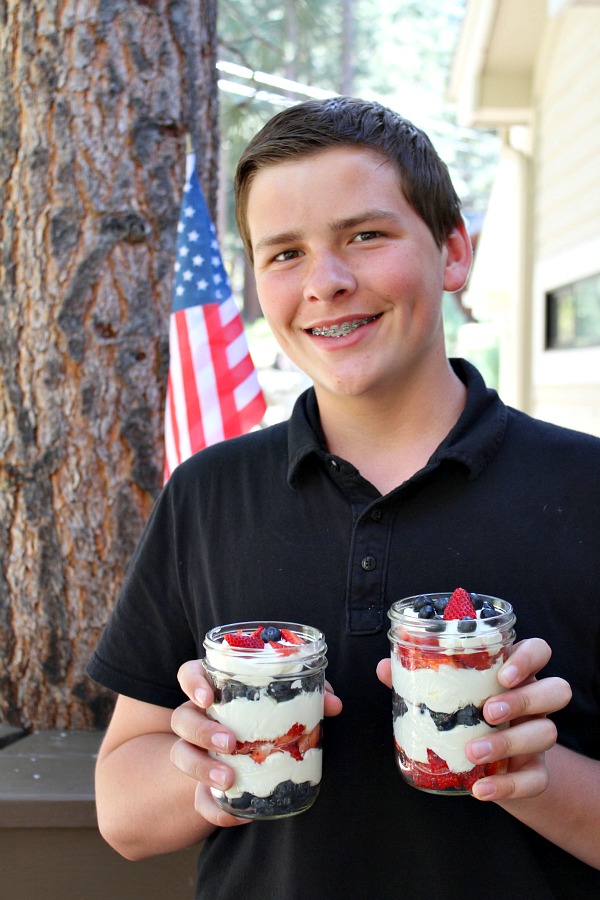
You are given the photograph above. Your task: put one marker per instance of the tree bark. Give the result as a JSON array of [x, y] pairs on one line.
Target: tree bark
[[97, 98]]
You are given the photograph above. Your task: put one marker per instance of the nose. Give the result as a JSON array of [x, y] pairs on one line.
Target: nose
[[329, 278]]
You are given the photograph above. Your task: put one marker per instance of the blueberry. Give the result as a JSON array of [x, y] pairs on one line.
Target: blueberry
[[233, 690], [488, 611], [440, 605], [284, 789], [470, 715], [426, 611], [443, 721], [270, 633], [477, 601], [466, 625], [281, 691], [436, 625], [420, 602], [283, 795], [263, 806], [399, 707], [253, 693], [302, 793], [242, 802]]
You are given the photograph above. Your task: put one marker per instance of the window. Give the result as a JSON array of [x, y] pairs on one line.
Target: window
[[573, 315]]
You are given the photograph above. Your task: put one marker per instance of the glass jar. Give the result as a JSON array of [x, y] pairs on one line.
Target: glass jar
[[442, 674], [271, 698]]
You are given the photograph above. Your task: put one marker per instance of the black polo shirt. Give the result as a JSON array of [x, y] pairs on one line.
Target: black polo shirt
[[271, 525]]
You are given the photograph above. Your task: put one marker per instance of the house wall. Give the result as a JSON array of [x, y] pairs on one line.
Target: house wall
[[565, 384]]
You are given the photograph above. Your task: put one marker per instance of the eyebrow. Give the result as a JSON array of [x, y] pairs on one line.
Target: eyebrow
[[290, 237]]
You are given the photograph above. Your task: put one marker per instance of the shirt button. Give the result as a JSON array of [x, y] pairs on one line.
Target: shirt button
[[376, 515], [368, 563], [334, 464]]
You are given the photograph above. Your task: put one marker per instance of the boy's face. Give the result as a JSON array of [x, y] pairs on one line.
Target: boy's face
[[349, 277]]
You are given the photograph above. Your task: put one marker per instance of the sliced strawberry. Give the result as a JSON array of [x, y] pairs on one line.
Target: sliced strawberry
[[291, 637], [310, 741], [282, 649], [245, 641], [258, 631], [460, 606]]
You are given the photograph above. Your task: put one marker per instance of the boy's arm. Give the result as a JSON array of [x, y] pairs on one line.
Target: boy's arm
[[566, 813], [145, 805]]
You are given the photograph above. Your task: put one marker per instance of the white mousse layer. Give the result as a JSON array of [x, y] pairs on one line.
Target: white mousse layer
[[260, 665], [266, 719], [261, 779], [416, 731]]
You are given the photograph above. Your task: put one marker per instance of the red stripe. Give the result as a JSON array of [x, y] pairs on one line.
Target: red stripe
[[192, 400], [218, 351]]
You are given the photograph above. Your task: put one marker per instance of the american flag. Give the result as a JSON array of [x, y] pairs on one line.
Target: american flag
[[213, 391]]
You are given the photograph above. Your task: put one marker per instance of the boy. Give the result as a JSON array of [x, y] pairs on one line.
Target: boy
[[398, 473]]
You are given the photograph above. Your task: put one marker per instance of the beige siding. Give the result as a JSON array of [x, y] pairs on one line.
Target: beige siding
[[568, 136]]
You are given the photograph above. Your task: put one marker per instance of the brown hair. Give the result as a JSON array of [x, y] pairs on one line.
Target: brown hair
[[317, 125]]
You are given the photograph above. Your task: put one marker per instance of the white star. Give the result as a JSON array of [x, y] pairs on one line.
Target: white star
[[215, 261], [198, 260], [177, 266], [183, 251], [187, 275], [179, 290], [193, 236], [188, 212], [217, 279], [202, 285]]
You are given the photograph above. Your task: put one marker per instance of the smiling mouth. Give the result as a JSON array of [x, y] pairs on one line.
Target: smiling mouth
[[344, 328]]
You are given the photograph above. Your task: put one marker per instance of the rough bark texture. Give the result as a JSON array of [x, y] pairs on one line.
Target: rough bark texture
[[97, 97]]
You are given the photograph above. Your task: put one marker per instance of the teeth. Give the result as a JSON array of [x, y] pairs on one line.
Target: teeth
[[343, 329]]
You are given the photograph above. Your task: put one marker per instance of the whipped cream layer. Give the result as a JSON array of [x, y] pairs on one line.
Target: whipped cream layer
[[261, 779], [267, 719], [416, 731], [255, 667]]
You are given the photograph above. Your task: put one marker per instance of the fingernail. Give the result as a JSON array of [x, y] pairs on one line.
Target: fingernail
[[481, 749], [218, 777], [220, 740], [497, 710], [510, 676], [202, 696], [483, 790]]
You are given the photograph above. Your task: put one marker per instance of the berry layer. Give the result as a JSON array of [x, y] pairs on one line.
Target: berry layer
[[261, 779]]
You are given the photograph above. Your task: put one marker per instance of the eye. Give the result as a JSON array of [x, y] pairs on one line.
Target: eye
[[285, 255], [364, 236]]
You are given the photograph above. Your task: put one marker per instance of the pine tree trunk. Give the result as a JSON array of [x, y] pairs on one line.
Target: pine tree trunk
[[97, 98]]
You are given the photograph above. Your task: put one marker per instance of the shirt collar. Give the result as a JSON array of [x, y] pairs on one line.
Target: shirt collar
[[473, 441]]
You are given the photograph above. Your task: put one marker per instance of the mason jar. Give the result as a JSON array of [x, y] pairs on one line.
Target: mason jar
[[271, 698], [442, 674]]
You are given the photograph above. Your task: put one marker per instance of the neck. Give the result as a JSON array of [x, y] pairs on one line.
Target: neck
[[391, 439]]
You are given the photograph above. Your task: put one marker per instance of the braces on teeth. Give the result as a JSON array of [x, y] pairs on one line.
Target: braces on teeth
[[343, 329]]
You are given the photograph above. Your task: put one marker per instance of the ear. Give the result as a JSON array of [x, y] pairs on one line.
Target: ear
[[459, 256]]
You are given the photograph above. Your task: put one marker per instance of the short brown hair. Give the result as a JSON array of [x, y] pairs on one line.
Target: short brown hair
[[315, 125]]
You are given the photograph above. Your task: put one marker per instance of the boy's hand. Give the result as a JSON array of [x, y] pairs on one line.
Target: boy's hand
[[525, 705]]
